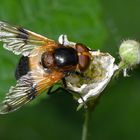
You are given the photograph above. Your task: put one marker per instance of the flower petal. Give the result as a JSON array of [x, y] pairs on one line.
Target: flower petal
[[95, 78]]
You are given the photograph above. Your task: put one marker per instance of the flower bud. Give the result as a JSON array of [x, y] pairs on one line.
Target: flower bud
[[130, 52]]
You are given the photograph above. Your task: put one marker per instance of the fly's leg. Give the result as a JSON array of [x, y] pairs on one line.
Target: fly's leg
[[64, 82], [49, 90], [76, 94]]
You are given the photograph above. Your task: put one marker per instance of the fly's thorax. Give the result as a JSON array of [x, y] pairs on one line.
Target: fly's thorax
[[65, 57], [61, 58]]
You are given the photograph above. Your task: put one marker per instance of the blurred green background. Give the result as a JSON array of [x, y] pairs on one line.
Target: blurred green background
[[99, 24]]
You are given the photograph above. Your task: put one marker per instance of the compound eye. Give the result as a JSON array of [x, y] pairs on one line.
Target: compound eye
[[81, 48], [84, 62], [84, 56]]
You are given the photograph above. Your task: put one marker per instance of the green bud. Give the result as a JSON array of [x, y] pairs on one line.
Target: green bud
[[130, 52]]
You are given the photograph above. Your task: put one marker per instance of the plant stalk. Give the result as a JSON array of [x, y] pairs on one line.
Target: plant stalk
[[87, 124]]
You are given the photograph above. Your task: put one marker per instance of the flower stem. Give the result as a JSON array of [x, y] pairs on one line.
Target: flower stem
[[86, 127]]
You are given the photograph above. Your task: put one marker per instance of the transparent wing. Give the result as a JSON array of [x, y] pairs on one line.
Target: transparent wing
[[19, 40], [27, 88]]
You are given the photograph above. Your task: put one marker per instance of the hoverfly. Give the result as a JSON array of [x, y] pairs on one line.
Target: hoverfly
[[43, 63]]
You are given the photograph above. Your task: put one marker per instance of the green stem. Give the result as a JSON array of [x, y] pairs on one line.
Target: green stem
[[121, 66], [86, 126]]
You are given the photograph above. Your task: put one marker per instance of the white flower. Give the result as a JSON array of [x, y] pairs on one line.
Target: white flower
[[96, 77]]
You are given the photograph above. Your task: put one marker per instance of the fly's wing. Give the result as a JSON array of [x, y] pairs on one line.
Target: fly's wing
[[19, 40], [27, 88]]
